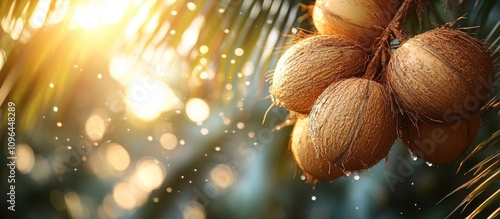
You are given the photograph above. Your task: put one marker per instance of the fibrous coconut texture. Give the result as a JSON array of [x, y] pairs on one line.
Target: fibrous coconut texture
[[439, 143], [440, 74], [309, 66], [314, 167], [360, 20], [353, 124]]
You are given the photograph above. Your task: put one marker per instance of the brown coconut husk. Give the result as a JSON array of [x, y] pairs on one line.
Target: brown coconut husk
[[353, 124], [440, 74], [314, 167], [436, 142], [308, 67]]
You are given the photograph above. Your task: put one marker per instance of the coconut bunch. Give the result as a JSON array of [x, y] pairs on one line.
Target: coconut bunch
[[429, 91]]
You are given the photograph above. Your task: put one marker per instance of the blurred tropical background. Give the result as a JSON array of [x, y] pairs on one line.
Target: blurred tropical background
[[154, 109]]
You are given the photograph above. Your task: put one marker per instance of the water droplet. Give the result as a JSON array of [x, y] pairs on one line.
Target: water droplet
[[302, 177], [55, 109], [240, 125], [69, 147], [99, 76], [313, 198], [217, 148], [150, 138], [429, 164], [413, 156], [156, 200], [195, 170], [357, 208], [356, 176], [51, 85], [169, 189], [59, 124]]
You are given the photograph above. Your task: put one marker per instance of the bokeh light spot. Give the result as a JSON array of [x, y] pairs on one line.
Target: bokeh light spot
[[222, 175], [26, 158], [197, 110], [193, 210], [168, 141], [117, 156]]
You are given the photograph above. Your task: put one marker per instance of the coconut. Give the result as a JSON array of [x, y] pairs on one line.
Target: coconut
[[440, 74], [315, 168], [439, 143], [360, 20], [353, 124], [309, 66]]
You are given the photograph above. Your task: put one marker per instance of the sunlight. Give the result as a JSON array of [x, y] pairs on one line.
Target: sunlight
[[147, 97], [119, 69], [40, 14], [93, 13], [140, 17]]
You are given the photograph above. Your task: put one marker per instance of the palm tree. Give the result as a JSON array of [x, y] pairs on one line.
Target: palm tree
[[153, 109]]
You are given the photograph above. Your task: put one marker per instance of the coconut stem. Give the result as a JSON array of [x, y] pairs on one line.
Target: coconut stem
[[392, 31]]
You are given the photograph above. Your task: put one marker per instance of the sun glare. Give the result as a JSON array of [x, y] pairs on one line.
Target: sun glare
[[92, 13], [147, 97]]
